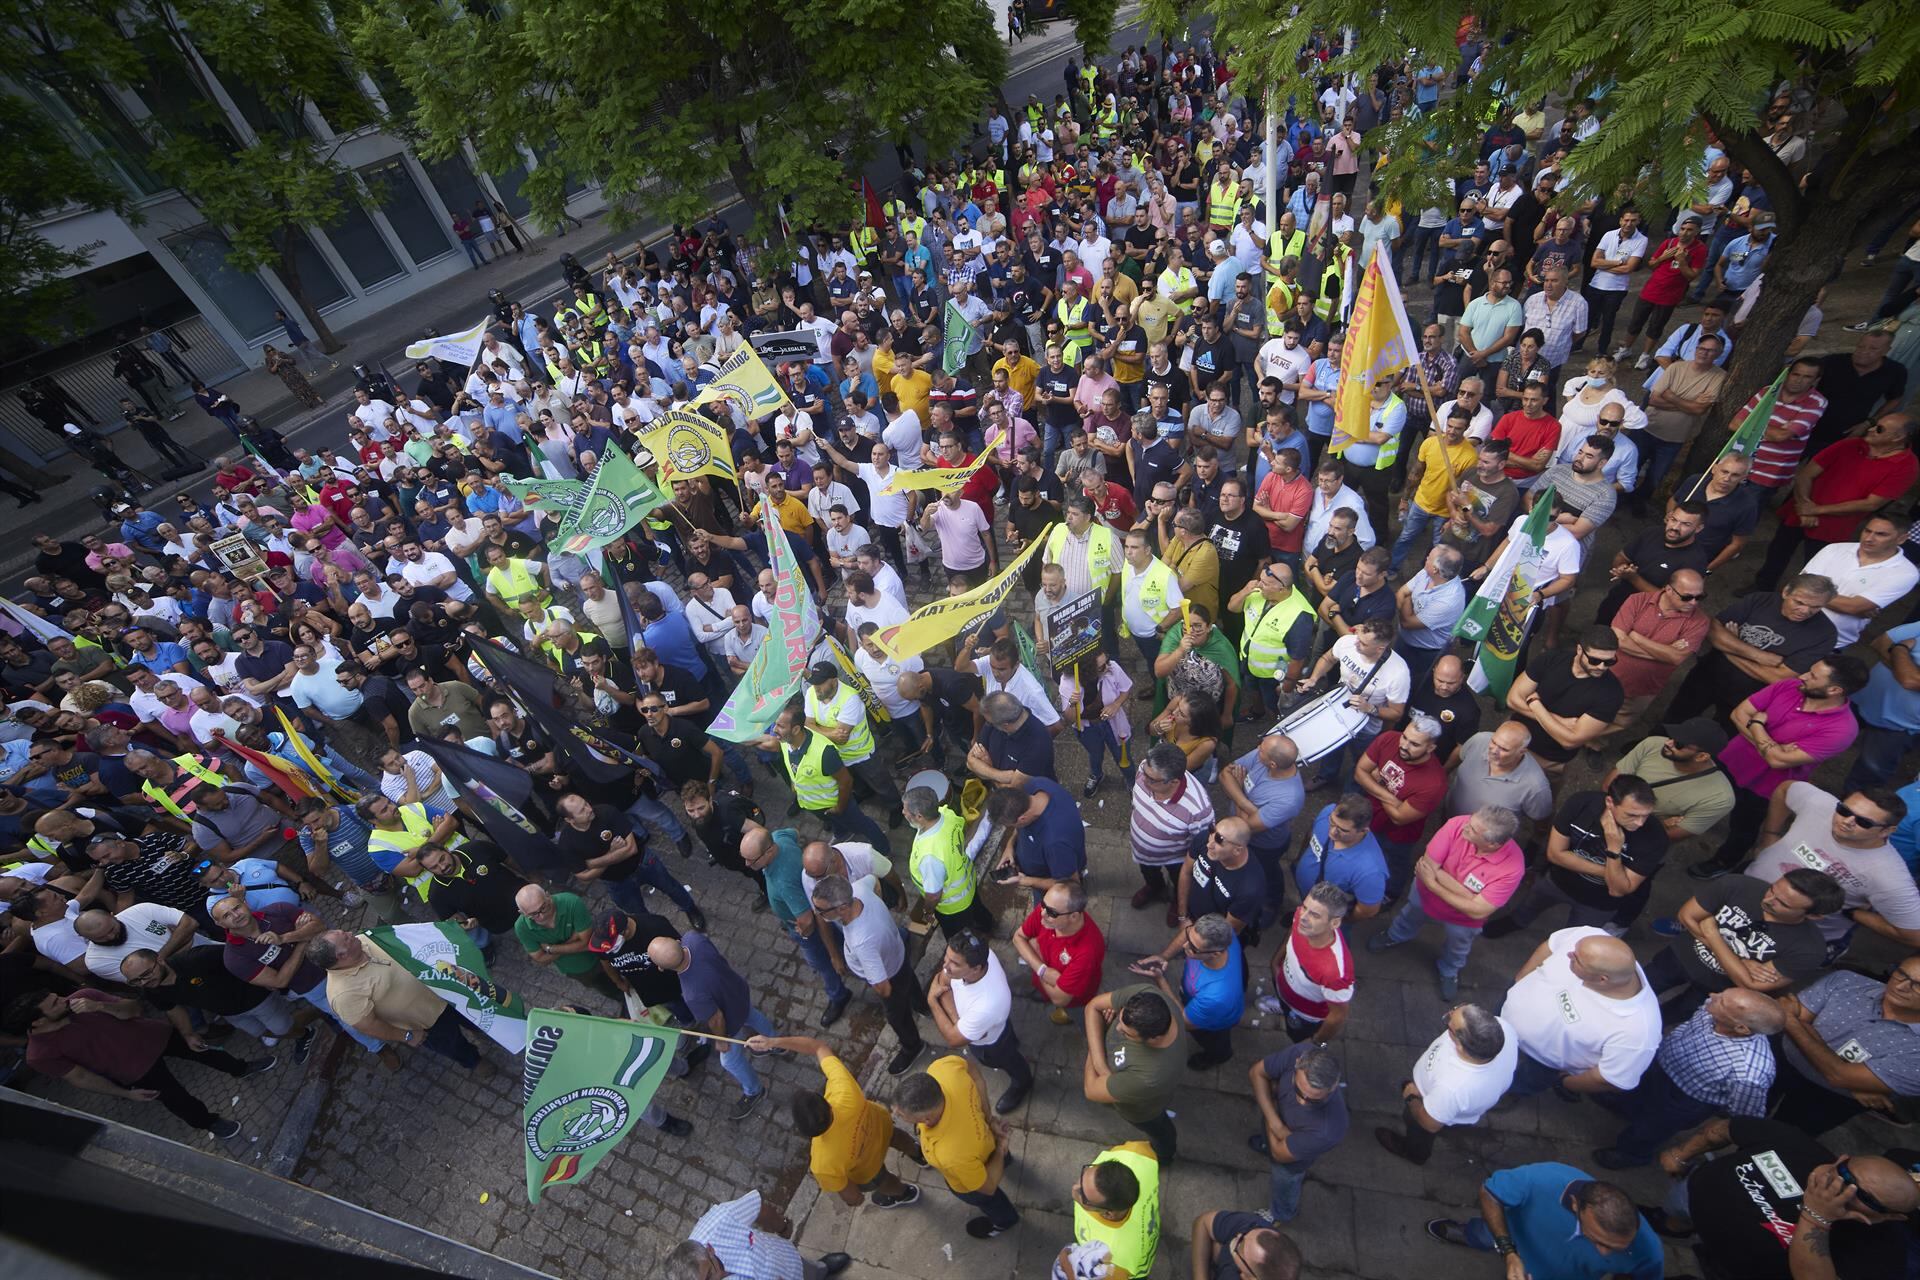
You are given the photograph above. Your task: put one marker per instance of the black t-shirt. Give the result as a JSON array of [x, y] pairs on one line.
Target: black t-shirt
[[1745, 1207], [1228, 1226], [1030, 521], [1337, 563], [204, 982], [678, 688], [1757, 620], [1156, 462], [1241, 544], [1729, 517], [950, 691], [1216, 890], [608, 825], [1733, 902], [1213, 360], [1178, 392], [682, 752], [1044, 267], [1458, 713], [483, 888], [1657, 562], [1851, 395], [1642, 852], [1057, 382], [1565, 694], [628, 958], [1449, 296], [725, 822]]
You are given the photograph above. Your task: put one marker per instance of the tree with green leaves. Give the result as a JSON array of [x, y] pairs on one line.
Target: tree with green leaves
[[664, 106], [1668, 80], [279, 61]]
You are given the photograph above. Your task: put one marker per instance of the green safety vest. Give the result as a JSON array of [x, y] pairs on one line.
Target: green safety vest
[[1132, 1243], [813, 788], [1278, 248], [417, 828], [516, 584], [1390, 451], [1222, 209], [588, 354], [1154, 581], [859, 743], [945, 843], [1335, 275], [558, 657], [862, 242], [1263, 636], [1107, 123], [1079, 338], [1103, 552], [1182, 281]]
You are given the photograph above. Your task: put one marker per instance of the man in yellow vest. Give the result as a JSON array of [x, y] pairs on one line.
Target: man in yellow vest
[[1282, 294], [397, 833], [1089, 552], [940, 867], [1223, 201], [1276, 638], [1116, 1206], [820, 780], [167, 783], [511, 580], [1177, 283], [1075, 314], [862, 242], [1150, 594], [1331, 294], [1286, 242], [836, 712]]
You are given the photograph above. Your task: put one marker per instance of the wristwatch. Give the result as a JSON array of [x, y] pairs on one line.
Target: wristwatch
[[407, 1038], [1503, 1245]]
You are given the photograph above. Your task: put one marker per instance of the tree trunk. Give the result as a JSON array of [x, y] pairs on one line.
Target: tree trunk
[[290, 276]]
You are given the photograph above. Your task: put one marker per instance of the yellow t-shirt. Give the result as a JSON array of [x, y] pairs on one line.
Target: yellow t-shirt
[[962, 1143], [855, 1148], [1124, 290], [882, 370], [1432, 493], [915, 391], [1154, 315], [1022, 375], [793, 513]]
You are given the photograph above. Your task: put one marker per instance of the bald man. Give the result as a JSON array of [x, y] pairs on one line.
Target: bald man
[[556, 929], [1716, 1063], [1586, 1019]]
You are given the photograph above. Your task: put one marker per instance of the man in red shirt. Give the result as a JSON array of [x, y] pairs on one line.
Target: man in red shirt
[[1112, 505], [1532, 435], [1064, 948], [1658, 630], [1313, 972], [97, 1042], [980, 486], [1284, 502], [1402, 774], [1835, 492]]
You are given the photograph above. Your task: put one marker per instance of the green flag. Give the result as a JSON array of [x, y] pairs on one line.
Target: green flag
[[557, 496], [778, 666], [1500, 612], [585, 1082], [443, 956], [956, 337], [617, 497], [1746, 438]]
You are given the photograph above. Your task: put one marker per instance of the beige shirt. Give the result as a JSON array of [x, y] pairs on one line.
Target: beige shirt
[[380, 988], [1688, 383]]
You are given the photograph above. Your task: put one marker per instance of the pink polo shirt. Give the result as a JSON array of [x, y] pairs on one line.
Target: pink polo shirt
[[1494, 878], [1821, 734]]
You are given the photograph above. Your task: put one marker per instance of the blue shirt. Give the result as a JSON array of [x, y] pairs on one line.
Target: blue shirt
[[785, 892], [1279, 801], [1214, 997], [1906, 836], [672, 639], [1292, 440], [1546, 1233], [1438, 606], [1326, 377], [1884, 704], [1681, 342], [166, 654], [260, 877], [347, 846], [1743, 261], [1054, 845], [505, 419], [1360, 870]]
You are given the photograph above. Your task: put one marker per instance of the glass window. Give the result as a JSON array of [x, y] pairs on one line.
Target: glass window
[[317, 280], [455, 182], [509, 183], [270, 114], [239, 294], [358, 241], [422, 229]]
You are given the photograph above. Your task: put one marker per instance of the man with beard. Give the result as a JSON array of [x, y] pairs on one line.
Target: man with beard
[[1649, 562]]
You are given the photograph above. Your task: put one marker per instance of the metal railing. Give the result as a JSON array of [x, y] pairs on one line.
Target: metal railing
[[91, 384]]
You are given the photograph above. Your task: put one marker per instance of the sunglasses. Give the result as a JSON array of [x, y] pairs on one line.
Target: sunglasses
[[1859, 819], [1051, 914], [1601, 662], [1860, 1193], [1684, 595]]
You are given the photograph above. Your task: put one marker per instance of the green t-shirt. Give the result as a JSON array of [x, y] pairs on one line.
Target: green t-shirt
[[1217, 649], [1144, 1078], [570, 916]]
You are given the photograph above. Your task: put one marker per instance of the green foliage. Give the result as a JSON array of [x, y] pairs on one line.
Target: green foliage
[[38, 177], [661, 103]]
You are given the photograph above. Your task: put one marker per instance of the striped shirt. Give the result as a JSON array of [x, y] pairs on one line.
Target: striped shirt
[[1163, 831], [347, 846], [1729, 1074], [1309, 978], [1775, 461]]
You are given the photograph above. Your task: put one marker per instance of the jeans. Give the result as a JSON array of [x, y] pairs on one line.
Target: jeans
[[317, 997], [1425, 243], [738, 1059], [654, 813], [1098, 738], [873, 772], [445, 1039], [473, 253], [1054, 441], [271, 1017], [1161, 1133], [1400, 856], [1283, 1197], [1660, 455], [998, 1209], [1459, 937], [1418, 521], [1880, 753], [851, 824], [630, 897], [813, 948], [905, 997], [1655, 1111], [1216, 1046], [1531, 1076]]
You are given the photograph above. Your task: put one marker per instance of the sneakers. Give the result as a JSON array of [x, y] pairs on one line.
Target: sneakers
[[1668, 927], [1270, 1004], [1615, 1158], [303, 1047], [1643, 363], [1862, 327], [901, 1201], [1381, 942], [259, 1067], [745, 1107], [1093, 785], [224, 1128], [836, 1009], [1449, 985], [1619, 353], [1448, 1231], [983, 1229], [904, 1058]]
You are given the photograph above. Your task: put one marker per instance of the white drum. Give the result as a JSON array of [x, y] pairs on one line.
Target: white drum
[[1321, 727]]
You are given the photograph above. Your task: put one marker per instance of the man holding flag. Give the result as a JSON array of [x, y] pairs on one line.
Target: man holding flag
[[375, 995], [1532, 569], [1368, 417]]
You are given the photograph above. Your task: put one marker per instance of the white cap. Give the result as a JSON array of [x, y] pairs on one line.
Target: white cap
[[1218, 246]]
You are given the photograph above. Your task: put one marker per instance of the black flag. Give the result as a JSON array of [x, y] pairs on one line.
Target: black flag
[[501, 794], [580, 734]]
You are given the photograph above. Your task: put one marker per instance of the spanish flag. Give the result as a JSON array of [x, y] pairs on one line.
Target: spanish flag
[[1379, 342], [744, 376], [688, 444]]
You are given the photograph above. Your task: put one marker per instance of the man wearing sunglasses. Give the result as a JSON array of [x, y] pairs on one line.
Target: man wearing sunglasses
[[1846, 1215], [1849, 840], [1569, 699], [1116, 1208], [1231, 1245], [1659, 629]]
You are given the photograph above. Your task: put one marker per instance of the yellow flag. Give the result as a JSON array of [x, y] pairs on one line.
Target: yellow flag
[[1379, 343], [945, 479], [944, 619], [744, 376], [688, 444]]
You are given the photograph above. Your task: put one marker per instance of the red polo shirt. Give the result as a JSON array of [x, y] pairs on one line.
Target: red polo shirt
[[1077, 957], [1526, 437], [1849, 472]]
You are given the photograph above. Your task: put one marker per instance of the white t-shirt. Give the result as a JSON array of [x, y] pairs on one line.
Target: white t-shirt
[[1559, 554], [981, 1008], [1392, 684], [57, 941], [149, 925], [903, 436], [857, 854], [1614, 249], [1276, 361], [1138, 621], [1455, 1091], [1481, 425], [1024, 687], [1882, 583], [884, 675], [31, 872], [889, 509], [433, 565], [711, 619], [821, 501], [733, 646], [888, 580], [1875, 878], [884, 612], [1568, 1026]]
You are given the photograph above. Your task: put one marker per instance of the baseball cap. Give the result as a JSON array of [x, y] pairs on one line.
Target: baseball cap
[[1699, 732], [821, 672], [1217, 246], [606, 933]]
